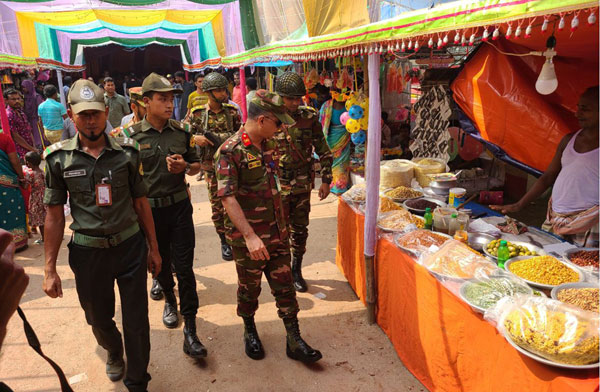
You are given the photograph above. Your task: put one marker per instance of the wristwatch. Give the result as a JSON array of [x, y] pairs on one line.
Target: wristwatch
[[188, 167]]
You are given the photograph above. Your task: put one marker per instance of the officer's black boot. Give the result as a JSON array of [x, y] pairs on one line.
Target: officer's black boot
[[191, 344], [254, 347], [226, 252], [170, 318], [296, 347], [156, 292], [115, 366], [299, 282]]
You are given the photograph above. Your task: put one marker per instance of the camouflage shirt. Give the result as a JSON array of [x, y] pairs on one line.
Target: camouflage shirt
[[296, 144], [222, 125], [251, 175]]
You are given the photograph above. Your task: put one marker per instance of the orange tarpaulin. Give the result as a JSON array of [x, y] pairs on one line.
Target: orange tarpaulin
[[440, 340], [497, 92]]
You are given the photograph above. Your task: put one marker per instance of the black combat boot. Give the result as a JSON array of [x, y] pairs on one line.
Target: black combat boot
[[156, 292], [226, 253], [192, 346], [254, 347], [299, 282], [170, 317], [296, 347], [115, 366]]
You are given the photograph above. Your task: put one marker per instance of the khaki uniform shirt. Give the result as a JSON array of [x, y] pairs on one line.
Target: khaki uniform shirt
[[155, 146], [251, 175], [70, 169], [296, 145]]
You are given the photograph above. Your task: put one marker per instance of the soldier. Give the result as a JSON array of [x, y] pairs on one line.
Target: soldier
[[216, 121], [297, 172], [247, 174], [168, 154], [103, 177]]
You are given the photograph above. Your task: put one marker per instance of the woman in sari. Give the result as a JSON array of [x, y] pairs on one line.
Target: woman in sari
[[32, 101], [12, 204], [338, 140]]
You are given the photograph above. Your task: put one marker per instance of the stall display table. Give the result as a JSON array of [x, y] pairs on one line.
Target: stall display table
[[440, 340]]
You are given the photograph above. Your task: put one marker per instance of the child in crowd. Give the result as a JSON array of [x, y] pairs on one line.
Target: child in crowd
[[35, 177]]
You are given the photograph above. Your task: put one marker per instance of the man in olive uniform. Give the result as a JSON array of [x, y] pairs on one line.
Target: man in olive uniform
[[103, 177], [216, 121], [168, 154], [247, 174], [297, 173]]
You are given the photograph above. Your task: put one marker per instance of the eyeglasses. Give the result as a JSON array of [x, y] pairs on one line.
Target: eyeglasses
[[278, 122]]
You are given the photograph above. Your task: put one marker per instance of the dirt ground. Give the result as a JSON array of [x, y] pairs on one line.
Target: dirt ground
[[357, 356]]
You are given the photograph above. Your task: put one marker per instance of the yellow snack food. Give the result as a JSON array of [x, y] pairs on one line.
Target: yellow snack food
[[386, 204], [545, 270]]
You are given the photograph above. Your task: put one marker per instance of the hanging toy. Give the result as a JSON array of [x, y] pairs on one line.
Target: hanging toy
[[528, 31], [403, 47], [446, 40], [457, 38], [417, 46], [430, 43], [356, 112], [485, 35], [575, 22], [364, 104], [496, 34], [358, 137], [591, 19], [350, 102], [352, 125], [518, 32], [561, 23], [508, 32], [463, 40], [344, 118], [472, 40], [440, 43], [364, 123], [545, 25]]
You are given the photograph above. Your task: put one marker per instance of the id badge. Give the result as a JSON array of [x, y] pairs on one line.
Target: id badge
[[103, 195]]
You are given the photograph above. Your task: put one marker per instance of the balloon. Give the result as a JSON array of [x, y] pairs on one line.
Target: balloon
[[364, 104], [356, 112], [352, 125], [350, 102], [364, 122], [344, 117], [358, 137]]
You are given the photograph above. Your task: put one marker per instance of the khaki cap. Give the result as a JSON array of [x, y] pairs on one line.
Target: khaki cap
[[135, 94], [273, 103], [86, 95], [157, 83]]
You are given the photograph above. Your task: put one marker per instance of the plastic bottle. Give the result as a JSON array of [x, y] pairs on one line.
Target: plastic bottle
[[453, 225], [503, 254], [428, 219], [461, 236]]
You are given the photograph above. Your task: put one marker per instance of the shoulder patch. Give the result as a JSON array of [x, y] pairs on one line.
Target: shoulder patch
[[228, 105], [53, 148], [230, 143], [127, 142], [180, 126], [129, 131], [307, 111]]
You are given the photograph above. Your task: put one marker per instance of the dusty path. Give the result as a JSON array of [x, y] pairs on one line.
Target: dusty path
[[357, 357]]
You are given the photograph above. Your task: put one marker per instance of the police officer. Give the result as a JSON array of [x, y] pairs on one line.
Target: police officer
[[168, 154], [216, 121], [103, 177], [297, 172], [247, 174]]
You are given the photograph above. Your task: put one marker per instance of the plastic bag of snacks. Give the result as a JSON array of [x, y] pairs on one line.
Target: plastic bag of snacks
[[356, 194], [395, 173], [483, 293], [399, 221], [425, 166], [420, 241], [455, 260], [550, 329]]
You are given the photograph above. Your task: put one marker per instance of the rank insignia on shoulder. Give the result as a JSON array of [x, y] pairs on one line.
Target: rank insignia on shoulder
[[246, 139], [192, 141], [253, 164]]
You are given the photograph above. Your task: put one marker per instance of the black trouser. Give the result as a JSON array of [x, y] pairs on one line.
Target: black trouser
[[176, 240], [96, 270]]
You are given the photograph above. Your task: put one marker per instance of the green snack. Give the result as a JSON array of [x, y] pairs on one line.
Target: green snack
[[485, 294], [515, 250]]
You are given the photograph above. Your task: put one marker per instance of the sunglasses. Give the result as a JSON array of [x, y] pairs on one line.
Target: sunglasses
[[277, 122]]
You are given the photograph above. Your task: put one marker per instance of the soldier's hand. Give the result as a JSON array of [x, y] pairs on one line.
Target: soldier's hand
[[324, 191], [175, 163], [154, 262], [52, 285], [257, 248], [202, 141]]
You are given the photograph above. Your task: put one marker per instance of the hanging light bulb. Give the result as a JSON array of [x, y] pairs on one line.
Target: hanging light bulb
[[575, 22], [592, 18], [545, 25], [561, 23], [547, 82], [508, 32], [485, 35], [496, 34], [518, 32], [528, 31]]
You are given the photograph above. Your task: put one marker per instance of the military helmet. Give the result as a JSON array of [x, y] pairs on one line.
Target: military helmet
[[213, 81], [290, 84]]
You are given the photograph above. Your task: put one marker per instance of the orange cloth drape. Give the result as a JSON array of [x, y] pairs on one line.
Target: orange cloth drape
[[440, 340]]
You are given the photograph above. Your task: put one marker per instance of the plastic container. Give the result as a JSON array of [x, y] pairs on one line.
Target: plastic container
[[456, 196], [462, 236], [442, 216], [425, 166], [453, 226], [395, 173]]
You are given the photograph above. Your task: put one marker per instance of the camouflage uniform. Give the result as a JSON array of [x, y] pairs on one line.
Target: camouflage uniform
[[252, 176], [297, 172], [222, 124]]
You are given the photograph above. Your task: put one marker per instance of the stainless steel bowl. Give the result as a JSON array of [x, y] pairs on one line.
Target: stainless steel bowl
[[589, 269], [536, 284], [478, 240]]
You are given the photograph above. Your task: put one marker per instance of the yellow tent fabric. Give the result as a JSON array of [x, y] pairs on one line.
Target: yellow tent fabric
[[332, 16]]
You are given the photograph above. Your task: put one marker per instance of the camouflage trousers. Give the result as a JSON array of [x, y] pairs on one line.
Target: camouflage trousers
[[218, 211], [278, 273], [297, 209]]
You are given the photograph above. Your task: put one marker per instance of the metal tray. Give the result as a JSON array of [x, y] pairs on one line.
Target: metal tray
[[568, 254], [537, 249], [419, 211], [478, 241], [477, 308], [577, 285], [535, 284], [547, 361]]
